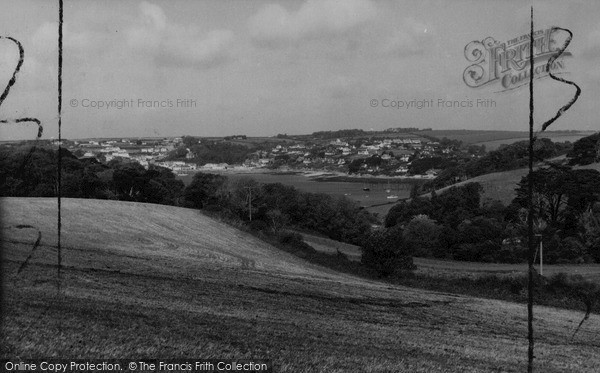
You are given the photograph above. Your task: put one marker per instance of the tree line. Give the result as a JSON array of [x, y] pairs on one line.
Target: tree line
[[505, 158], [458, 225], [265, 207], [27, 173], [274, 207]]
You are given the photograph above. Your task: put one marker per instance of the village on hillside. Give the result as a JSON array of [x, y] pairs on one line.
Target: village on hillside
[[388, 153]]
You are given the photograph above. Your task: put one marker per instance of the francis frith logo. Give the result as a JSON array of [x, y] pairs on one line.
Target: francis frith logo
[[508, 63]]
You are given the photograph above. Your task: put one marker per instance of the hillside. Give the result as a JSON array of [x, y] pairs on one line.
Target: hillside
[[493, 139], [501, 185], [453, 269], [148, 281], [147, 234]]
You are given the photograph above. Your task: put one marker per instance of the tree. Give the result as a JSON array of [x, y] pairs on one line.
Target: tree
[[246, 198], [479, 239], [403, 212], [355, 166], [385, 252], [277, 220], [178, 153], [422, 235], [414, 191], [421, 165], [583, 190], [190, 141], [203, 190], [128, 181], [585, 150], [373, 161], [590, 233], [280, 196], [557, 187], [456, 204]]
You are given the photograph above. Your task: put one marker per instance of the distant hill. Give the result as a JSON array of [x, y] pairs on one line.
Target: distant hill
[[492, 139]]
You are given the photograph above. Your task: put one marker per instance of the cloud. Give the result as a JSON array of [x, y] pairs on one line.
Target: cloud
[[592, 44], [342, 87], [177, 45], [44, 41], [315, 19], [408, 38], [338, 29]]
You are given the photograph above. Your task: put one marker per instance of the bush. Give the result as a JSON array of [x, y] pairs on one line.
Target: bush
[[421, 235], [565, 251], [512, 253], [258, 225], [385, 252], [294, 243]]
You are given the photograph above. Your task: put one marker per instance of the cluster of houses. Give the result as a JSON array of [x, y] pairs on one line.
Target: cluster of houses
[[337, 154], [144, 152], [395, 154]]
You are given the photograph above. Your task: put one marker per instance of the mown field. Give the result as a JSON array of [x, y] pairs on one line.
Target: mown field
[[148, 281]]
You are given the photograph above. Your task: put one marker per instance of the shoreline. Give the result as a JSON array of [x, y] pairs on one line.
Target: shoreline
[[319, 176]]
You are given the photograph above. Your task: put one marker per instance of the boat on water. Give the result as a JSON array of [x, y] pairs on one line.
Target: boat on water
[[392, 197]]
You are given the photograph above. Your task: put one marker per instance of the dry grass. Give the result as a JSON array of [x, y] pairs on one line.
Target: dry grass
[[147, 281]]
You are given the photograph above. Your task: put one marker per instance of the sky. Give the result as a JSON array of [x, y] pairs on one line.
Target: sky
[[260, 68]]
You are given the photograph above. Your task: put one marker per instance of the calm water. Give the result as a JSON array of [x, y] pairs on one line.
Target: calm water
[[354, 190]]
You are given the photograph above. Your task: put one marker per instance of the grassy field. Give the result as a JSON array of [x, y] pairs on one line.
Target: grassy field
[[453, 269], [493, 139], [501, 185], [496, 186], [151, 281], [555, 137], [475, 136]]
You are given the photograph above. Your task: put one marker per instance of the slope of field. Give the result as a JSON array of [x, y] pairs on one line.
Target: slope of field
[[145, 233], [497, 185], [148, 281], [493, 139], [555, 137], [454, 269], [501, 185], [475, 136]]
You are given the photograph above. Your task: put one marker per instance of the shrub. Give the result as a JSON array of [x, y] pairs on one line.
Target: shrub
[[385, 252], [258, 225], [421, 235]]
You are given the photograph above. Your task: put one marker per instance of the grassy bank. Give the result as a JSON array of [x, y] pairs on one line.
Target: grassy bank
[[493, 281], [151, 281]]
